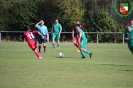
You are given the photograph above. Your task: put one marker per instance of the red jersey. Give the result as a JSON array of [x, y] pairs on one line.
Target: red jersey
[[29, 36], [75, 31]]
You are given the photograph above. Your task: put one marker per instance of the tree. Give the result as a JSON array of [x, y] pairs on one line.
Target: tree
[[24, 13], [71, 10]]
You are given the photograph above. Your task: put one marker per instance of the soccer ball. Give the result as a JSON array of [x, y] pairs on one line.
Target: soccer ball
[[61, 55]]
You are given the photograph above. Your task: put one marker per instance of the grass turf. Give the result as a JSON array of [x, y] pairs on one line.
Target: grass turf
[[110, 67]]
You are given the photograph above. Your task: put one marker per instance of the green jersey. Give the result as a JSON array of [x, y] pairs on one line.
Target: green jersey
[[132, 26], [129, 34], [83, 34], [56, 28]]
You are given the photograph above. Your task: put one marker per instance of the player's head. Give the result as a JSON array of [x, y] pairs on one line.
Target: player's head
[[41, 22], [77, 22], [132, 22], [77, 26], [56, 21], [127, 25], [27, 27]]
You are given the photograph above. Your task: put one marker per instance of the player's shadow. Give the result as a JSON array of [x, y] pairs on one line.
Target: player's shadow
[[65, 57]]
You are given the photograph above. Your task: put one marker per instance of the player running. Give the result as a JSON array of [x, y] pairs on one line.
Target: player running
[[75, 35], [82, 40], [43, 29], [129, 36], [55, 32], [30, 38]]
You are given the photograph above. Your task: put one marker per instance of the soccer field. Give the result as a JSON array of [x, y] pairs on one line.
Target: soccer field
[[111, 66]]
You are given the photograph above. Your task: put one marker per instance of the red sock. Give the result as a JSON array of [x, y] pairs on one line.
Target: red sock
[[76, 45], [37, 53]]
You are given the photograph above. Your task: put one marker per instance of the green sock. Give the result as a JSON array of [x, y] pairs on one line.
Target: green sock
[[87, 51], [53, 43], [82, 53], [58, 44]]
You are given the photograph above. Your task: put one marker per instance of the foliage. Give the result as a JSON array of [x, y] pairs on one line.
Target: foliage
[[71, 10], [94, 15], [98, 19], [23, 14]]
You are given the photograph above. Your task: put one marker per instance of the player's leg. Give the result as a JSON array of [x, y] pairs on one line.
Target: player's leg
[[44, 44], [78, 45], [75, 42], [58, 41], [83, 50], [40, 42], [34, 48], [53, 40], [131, 49], [37, 53]]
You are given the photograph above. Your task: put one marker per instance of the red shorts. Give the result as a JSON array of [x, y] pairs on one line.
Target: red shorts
[[32, 46], [75, 39]]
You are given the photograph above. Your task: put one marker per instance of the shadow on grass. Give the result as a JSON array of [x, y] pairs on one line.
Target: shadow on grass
[[125, 70], [114, 65], [65, 57]]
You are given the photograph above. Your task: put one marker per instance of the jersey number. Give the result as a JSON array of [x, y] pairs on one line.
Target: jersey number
[[30, 35]]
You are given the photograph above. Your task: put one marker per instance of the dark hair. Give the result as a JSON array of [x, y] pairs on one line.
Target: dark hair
[[27, 27], [127, 24], [56, 19], [77, 20], [77, 25]]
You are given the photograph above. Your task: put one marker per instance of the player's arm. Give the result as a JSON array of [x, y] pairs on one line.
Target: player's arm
[[52, 30], [37, 32], [60, 30], [22, 37], [38, 23], [72, 32], [47, 34], [40, 34], [81, 26], [125, 37]]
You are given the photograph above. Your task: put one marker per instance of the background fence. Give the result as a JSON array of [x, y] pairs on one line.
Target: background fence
[[94, 37]]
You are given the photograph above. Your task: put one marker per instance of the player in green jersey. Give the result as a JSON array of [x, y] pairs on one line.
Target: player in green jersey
[[82, 41], [55, 32], [129, 36]]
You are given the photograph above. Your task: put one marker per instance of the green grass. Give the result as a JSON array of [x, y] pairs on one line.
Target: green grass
[[110, 67]]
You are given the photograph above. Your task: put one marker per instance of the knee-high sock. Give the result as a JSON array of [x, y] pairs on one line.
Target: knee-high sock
[[76, 45], [53, 43], [37, 53], [58, 44], [82, 53], [44, 48], [87, 51]]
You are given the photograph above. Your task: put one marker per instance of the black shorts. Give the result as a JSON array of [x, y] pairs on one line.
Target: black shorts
[[41, 40]]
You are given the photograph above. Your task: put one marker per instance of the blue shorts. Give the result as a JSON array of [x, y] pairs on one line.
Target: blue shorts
[[41, 40]]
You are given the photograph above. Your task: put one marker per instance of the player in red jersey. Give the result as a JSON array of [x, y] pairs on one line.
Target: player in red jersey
[[30, 38], [75, 35]]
